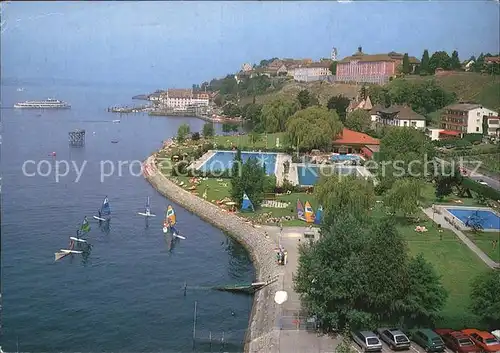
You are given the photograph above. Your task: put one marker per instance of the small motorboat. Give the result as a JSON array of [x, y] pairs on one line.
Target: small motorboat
[[114, 141]]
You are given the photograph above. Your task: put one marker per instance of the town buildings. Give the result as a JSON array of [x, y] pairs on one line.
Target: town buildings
[[377, 68], [468, 118], [181, 99], [398, 115], [313, 72]]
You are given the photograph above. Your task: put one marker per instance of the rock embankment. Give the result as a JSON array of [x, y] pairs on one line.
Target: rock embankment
[[262, 335]]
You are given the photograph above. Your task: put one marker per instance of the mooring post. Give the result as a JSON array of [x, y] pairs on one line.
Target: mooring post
[[194, 324]]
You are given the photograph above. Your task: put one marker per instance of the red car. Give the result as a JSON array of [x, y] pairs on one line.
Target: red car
[[457, 341], [483, 339]]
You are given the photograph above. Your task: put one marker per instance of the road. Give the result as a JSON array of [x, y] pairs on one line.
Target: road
[[299, 340], [492, 182]]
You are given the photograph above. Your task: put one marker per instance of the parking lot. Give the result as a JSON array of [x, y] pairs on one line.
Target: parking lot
[[414, 348]]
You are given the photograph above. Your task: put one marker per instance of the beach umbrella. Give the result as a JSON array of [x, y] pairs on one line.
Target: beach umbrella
[[280, 297]]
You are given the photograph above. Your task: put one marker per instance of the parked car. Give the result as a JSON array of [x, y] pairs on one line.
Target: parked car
[[457, 341], [428, 339], [367, 340], [394, 338], [484, 340], [496, 333]]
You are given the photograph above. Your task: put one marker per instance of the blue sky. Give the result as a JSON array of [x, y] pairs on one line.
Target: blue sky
[[175, 44]]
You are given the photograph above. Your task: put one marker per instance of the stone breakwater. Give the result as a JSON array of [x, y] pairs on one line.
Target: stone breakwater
[[262, 334]]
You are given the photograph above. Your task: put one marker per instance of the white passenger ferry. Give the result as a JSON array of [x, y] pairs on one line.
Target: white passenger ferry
[[45, 104]]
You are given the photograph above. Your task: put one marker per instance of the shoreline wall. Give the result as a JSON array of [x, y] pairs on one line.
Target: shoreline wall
[[263, 333]]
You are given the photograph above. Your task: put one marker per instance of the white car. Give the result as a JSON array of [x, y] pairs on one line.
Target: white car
[[483, 182], [496, 333]]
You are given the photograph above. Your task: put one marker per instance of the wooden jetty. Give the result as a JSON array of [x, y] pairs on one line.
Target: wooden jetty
[[246, 288]]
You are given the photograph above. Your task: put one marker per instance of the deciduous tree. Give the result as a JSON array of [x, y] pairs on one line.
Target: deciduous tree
[[404, 196], [344, 193], [313, 127], [485, 299], [359, 120], [339, 104], [306, 99], [236, 186], [275, 114], [439, 59], [425, 294], [182, 133], [252, 181], [208, 130]]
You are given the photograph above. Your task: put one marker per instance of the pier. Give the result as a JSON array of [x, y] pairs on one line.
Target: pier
[[127, 110], [77, 138], [249, 288]]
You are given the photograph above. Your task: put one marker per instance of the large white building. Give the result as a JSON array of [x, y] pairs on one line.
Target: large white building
[[184, 98], [312, 72], [467, 118]]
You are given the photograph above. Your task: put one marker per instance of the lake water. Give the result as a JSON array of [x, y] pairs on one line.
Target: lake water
[[128, 295]]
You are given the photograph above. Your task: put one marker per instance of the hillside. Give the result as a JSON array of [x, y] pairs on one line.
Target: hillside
[[470, 86], [323, 90]]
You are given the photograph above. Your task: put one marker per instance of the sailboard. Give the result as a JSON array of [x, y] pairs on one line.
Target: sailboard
[[84, 229], [170, 219], [319, 214], [65, 252], [300, 211], [105, 211], [147, 210], [78, 240], [309, 213]]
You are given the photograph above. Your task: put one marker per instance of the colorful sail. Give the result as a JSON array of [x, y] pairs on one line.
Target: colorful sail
[[170, 216], [319, 214], [300, 210], [85, 227], [105, 209], [309, 213], [246, 205]]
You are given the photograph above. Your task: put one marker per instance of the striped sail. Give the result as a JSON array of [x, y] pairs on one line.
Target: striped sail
[[105, 209], [309, 213], [300, 210], [170, 216]]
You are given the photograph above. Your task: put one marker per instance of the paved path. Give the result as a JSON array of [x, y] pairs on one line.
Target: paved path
[[439, 219], [293, 340]]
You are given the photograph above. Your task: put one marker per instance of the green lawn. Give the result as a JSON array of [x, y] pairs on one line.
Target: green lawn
[[484, 241], [452, 259], [429, 198]]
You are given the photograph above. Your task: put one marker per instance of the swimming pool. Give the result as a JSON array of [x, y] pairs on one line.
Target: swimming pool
[[344, 157], [487, 219], [309, 175], [223, 160]]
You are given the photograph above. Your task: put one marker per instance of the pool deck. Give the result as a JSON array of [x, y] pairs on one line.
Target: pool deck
[[279, 169], [200, 162]]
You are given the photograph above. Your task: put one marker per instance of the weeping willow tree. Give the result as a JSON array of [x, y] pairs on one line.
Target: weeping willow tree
[[313, 127]]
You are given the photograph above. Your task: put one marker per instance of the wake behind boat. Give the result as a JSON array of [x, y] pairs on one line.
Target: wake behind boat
[[104, 213], [147, 210]]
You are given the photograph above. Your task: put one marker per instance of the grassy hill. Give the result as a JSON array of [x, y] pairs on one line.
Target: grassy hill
[[470, 86], [323, 90]]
